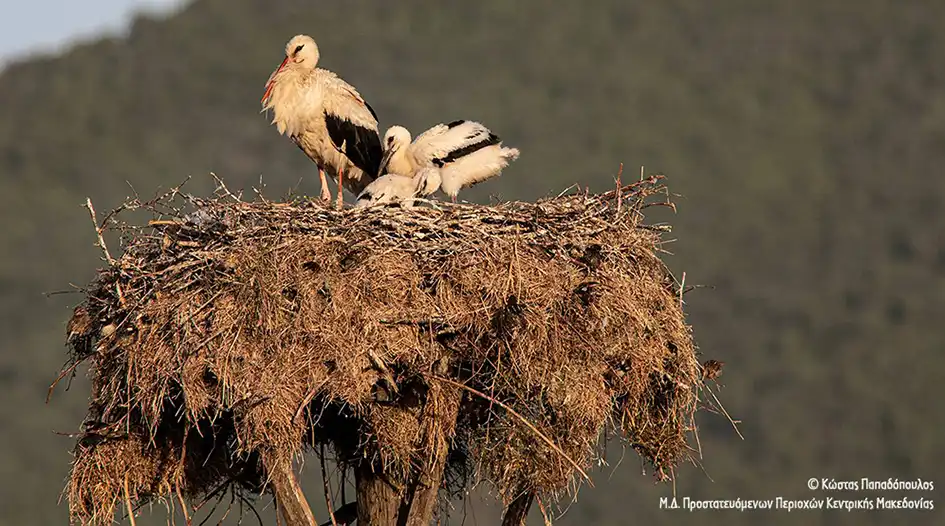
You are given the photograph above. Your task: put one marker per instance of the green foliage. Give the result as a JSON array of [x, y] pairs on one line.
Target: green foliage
[[805, 136]]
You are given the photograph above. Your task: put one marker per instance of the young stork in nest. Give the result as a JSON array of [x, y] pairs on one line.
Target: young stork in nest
[[458, 155], [325, 117], [401, 189]]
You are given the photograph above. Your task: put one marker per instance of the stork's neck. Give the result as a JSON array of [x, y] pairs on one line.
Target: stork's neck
[[400, 163], [292, 97]]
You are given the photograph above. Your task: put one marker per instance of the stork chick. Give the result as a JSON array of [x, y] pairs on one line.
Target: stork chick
[[462, 153], [325, 117], [397, 188]]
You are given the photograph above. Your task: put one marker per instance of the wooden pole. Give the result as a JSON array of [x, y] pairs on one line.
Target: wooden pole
[[378, 500], [383, 501], [517, 510], [289, 497], [425, 488]]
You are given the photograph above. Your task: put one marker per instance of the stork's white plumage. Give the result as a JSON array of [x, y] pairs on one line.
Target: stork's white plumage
[[325, 117], [462, 153], [397, 188], [389, 188]]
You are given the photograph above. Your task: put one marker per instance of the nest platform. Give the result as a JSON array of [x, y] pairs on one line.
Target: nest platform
[[451, 345]]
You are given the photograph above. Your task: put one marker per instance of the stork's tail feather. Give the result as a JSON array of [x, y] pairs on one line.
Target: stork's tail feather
[[476, 167]]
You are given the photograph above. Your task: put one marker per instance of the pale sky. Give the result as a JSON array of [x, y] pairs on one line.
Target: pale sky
[[50, 25]]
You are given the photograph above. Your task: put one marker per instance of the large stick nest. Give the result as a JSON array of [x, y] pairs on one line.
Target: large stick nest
[[228, 332]]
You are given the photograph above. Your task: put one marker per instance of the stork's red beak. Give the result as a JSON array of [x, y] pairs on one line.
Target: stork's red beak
[[271, 79]]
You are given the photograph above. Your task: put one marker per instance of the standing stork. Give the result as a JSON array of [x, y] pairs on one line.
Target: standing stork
[[461, 153], [325, 117]]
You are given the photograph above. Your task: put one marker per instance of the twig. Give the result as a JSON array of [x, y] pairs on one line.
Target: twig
[[251, 508], [524, 421], [695, 433], [209, 515], [668, 204], [344, 480], [544, 514], [262, 186], [682, 285], [419, 323], [307, 400], [229, 507], [222, 186], [205, 342], [731, 421], [168, 195], [121, 295], [568, 189], [327, 488], [131, 512], [213, 493], [60, 292], [619, 199], [183, 505], [202, 307], [62, 375], [98, 231], [638, 187]]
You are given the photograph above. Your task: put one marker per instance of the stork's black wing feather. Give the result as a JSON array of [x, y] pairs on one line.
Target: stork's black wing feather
[[370, 109], [361, 145], [466, 150]]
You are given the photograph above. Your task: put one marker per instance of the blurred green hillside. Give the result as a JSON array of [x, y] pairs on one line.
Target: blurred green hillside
[[807, 138]]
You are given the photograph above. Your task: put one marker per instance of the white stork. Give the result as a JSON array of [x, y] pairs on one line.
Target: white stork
[[461, 153], [402, 189], [325, 117]]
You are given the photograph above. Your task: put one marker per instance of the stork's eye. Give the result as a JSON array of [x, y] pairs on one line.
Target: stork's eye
[[299, 48], [390, 140]]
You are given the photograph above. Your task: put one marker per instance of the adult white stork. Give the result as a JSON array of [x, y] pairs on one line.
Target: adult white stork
[[397, 188], [462, 153], [325, 117]]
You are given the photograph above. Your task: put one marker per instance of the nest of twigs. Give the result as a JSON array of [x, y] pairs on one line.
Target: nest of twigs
[[228, 332]]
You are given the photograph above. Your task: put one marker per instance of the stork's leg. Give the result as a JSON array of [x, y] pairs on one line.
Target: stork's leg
[[453, 198], [341, 188], [326, 193]]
